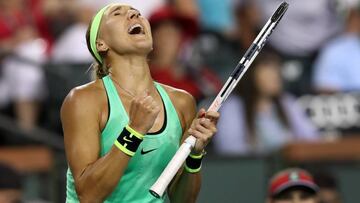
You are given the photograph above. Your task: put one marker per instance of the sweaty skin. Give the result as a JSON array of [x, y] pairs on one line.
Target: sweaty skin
[[84, 112]]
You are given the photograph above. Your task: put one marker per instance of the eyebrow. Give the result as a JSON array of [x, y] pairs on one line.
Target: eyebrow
[[116, 9], [120, 7]]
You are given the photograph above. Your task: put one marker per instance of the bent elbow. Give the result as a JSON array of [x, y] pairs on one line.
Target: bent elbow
[[86, 195]]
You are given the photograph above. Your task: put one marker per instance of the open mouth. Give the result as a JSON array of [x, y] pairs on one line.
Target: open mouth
[[136, 29]]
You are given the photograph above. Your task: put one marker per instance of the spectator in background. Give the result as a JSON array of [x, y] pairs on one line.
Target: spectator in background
[[295, 35], [59, 14], [20, 13], [184, 7], [71, 45], [22, 78], [260, 118], [10, 185], [222, 53], [216, 16], [292, 185], [172, 34], [145, 8], [328, 192], [187, 8], [338, 66], [305, 28], [248, 20]]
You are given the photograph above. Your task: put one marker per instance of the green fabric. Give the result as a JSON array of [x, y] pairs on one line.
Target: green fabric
[[142, 170]]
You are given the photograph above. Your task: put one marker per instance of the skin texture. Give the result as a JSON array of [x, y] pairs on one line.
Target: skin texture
[[85, 111], [10, 196], [329, 195], [167, 43], [268, 79], [295, 196]]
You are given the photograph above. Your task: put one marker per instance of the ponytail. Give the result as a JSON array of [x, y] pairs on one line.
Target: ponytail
[[99, 71]]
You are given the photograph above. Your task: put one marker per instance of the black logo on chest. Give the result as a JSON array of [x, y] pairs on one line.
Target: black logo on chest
[[147, 151]]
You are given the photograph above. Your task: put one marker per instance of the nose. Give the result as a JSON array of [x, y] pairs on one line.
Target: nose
[[133, 14]]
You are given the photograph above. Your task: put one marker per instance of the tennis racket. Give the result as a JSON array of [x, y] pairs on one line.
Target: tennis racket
[[159, 187]]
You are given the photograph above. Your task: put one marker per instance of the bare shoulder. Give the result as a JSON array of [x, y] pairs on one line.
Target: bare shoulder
[[184, 103], [181, 98], [85, 96]]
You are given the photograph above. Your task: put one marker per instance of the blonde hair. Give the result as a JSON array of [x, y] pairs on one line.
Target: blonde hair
[[99, 71]]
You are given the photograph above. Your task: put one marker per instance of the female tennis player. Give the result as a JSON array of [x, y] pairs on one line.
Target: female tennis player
[[122, 129]]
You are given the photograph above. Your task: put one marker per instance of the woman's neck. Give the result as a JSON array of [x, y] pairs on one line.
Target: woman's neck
[[132, 74]]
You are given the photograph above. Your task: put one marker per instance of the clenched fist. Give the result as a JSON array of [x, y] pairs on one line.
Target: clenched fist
[[143, 112]]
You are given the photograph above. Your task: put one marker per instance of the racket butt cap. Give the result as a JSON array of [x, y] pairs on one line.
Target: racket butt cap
[[280, 11], [153, 193]]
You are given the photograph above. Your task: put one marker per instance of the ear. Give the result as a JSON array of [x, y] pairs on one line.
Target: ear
[[101, 46]]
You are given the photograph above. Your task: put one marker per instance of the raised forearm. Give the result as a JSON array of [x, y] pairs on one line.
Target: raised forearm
[[100, 178], [186, 188]]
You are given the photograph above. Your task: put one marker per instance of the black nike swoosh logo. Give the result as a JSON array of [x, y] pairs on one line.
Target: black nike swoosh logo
[[145, 152]]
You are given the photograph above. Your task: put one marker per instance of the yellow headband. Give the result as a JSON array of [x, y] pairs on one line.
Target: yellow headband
[[94, 30]]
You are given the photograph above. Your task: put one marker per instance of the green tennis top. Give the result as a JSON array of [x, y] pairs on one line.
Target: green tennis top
[[151, 158]]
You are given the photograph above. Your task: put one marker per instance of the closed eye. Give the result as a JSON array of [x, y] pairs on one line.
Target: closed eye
[[116, 11], [139, 14]]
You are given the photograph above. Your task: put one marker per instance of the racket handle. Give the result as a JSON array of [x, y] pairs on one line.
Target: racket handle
[[159, 187]]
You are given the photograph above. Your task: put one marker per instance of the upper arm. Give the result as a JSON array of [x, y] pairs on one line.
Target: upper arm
[[186, 105], [80, 124]]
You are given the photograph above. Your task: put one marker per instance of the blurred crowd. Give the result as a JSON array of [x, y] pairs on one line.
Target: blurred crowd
[[197, 44], [314, 51]]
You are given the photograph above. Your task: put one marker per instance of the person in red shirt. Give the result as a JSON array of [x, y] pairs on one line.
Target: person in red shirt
[[169, 61], [23, 50]]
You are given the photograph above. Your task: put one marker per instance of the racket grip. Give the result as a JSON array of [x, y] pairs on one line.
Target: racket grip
[[159, 187]]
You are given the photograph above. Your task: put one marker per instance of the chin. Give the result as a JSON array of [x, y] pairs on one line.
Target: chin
[[144, 47]]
